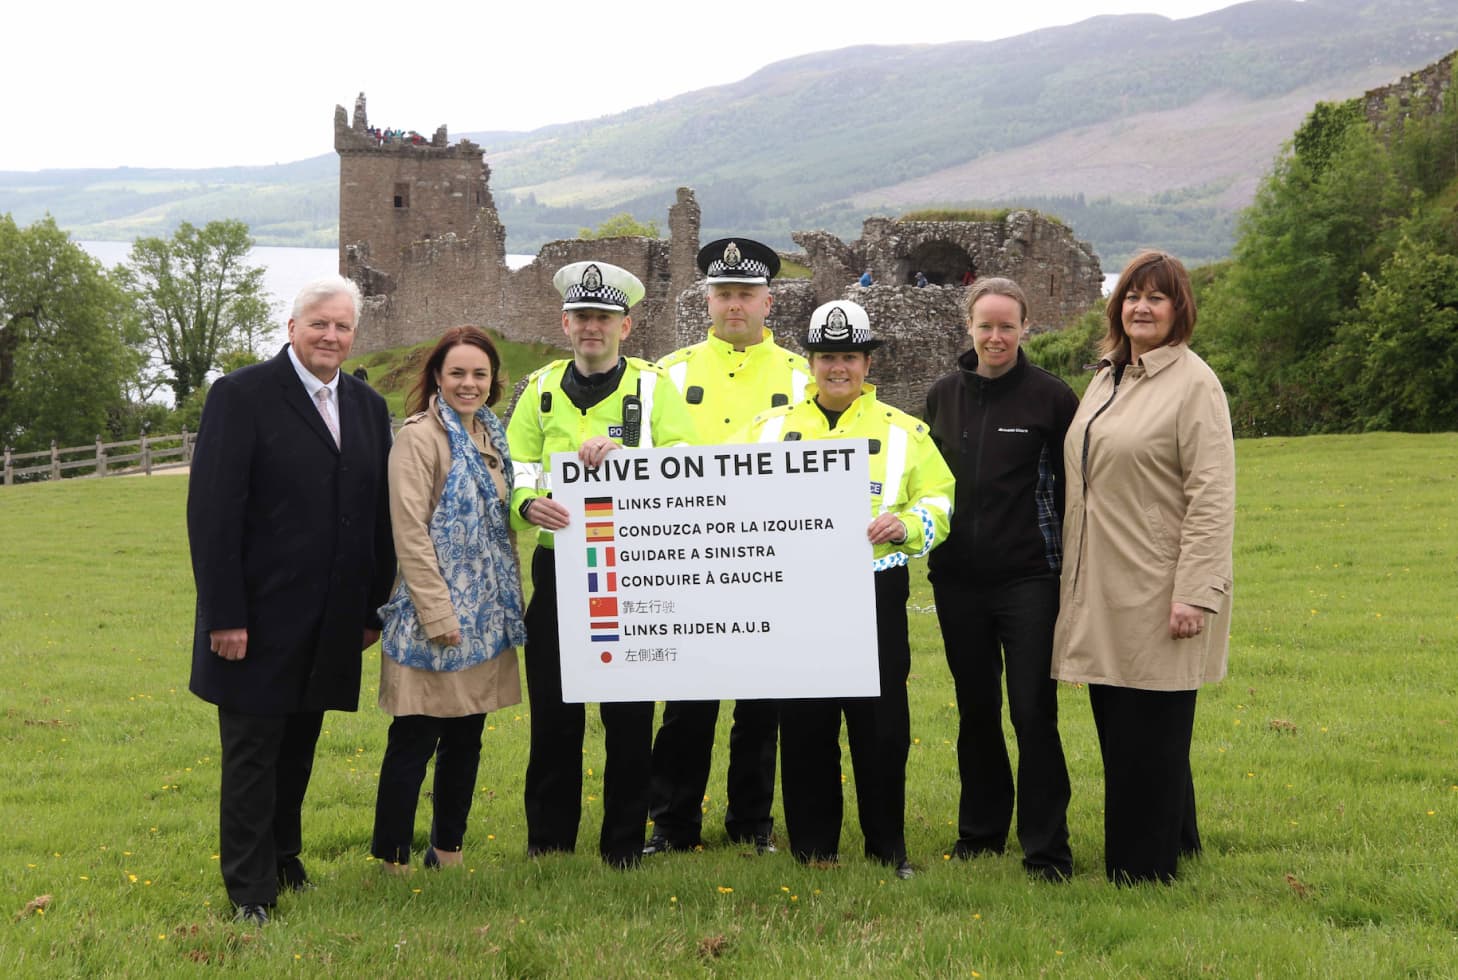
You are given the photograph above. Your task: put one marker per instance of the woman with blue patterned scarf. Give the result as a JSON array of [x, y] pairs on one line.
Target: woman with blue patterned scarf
[[454, 621]]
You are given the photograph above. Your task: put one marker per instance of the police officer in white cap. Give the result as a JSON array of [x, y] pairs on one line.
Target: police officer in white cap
[[728, 378], [911, 505], [618, 402]]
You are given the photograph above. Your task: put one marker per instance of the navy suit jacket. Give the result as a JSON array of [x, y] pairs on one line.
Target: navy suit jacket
[[290, 538]]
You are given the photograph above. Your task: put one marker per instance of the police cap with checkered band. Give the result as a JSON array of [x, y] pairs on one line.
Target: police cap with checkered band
[[738, 260], [840, 325], [597, 286]]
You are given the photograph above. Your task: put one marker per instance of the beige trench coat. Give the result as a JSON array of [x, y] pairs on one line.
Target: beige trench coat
[[419, 463], [1150, 520]]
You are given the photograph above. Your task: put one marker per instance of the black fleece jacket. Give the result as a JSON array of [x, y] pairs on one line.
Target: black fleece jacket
[[1002, 438]]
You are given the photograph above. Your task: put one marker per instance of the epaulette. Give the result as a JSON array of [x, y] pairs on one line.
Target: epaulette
[[646, 365], [545, 369]]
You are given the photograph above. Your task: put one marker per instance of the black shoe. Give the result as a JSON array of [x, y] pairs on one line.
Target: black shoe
[[1049, 873], [963, 850], [542, 850], [251, 914], [292, 876], [904, 871], [658, 844], [765, 844]]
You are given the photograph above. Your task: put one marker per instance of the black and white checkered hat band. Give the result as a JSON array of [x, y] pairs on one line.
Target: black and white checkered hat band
[[604, 296], [747, 269], [858, 335]]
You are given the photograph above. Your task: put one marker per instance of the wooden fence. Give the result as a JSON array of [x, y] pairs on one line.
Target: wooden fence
[[100, 459]]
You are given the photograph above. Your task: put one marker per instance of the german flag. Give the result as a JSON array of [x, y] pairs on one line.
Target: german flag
[[598, 506], [599, 530]]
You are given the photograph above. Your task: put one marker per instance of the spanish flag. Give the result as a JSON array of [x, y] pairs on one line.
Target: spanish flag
[[599, 530]]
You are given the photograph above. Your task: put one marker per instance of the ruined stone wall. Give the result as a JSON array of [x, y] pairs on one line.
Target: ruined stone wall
[[394, 194], [924, 344], [436, 258], [795, 300], [441, 261], [440, 282], [1422, 91], [1060, 274], [532, 309]]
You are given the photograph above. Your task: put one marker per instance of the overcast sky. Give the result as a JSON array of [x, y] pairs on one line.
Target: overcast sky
[[160, 83]]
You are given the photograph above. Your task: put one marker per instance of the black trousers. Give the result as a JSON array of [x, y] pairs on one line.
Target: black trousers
[[879, 732], [983, 628], [554, 763], [1149, 792], [266, 764], [413, 739], [682, 753]]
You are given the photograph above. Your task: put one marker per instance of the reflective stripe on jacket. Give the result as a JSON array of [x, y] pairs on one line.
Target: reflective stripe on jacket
[[725, 389], [909, 478], [545, 422]]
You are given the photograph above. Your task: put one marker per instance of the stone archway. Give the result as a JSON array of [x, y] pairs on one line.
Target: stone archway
[[943, 263]]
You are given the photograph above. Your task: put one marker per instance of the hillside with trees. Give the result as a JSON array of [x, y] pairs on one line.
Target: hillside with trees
[[1338, 311], [1135, 129]]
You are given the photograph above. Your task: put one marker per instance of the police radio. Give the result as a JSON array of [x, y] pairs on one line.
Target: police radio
[[632, 420]]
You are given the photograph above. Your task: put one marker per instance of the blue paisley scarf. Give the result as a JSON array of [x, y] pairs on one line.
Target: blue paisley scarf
[[477, 561]]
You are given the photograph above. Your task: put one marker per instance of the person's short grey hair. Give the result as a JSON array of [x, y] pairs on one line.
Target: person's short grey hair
[[323, 288]]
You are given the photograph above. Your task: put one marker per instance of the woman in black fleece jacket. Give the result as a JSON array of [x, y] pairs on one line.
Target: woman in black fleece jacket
[[999, 421]]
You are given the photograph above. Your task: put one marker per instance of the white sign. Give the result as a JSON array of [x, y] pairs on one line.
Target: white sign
[[714, 572]]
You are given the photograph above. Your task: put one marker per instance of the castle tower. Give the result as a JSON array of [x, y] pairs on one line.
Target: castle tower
[[398, 188]]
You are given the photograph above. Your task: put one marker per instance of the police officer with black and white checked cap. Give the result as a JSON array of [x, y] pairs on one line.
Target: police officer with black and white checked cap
[[728, 378], [910, 506]]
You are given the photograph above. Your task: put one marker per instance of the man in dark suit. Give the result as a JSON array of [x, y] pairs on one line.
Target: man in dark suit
[[288, 522]]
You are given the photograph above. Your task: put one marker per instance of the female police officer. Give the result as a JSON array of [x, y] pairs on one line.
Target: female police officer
[[911, 503]]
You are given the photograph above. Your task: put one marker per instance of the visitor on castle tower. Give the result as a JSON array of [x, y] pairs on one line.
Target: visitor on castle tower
[[735, 373]]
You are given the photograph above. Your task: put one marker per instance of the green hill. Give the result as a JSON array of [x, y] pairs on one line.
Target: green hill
[[1135, 128]]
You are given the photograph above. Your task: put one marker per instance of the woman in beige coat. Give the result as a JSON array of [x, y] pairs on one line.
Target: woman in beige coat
[[455, 617], [1148, 529]]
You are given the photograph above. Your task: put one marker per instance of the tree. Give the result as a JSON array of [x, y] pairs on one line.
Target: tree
[[197, 299], [1316, 226], [1398, 351], [67, 348], [621, 225]]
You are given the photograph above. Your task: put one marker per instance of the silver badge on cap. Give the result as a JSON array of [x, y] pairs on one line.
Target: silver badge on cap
[[591, 279], [836, 325], [731, 255]]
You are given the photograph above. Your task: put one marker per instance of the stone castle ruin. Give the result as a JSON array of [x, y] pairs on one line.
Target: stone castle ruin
[[420, 234]]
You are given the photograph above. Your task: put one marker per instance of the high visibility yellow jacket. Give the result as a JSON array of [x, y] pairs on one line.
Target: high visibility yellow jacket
[[545, 422], [725, 388], [909, 477]]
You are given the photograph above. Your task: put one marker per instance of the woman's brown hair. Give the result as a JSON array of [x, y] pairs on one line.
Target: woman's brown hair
[[994, 286], [1163, 273], [419, 399]]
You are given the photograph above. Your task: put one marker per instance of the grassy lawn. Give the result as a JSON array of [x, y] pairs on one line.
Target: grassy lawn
[[1326, 769]]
